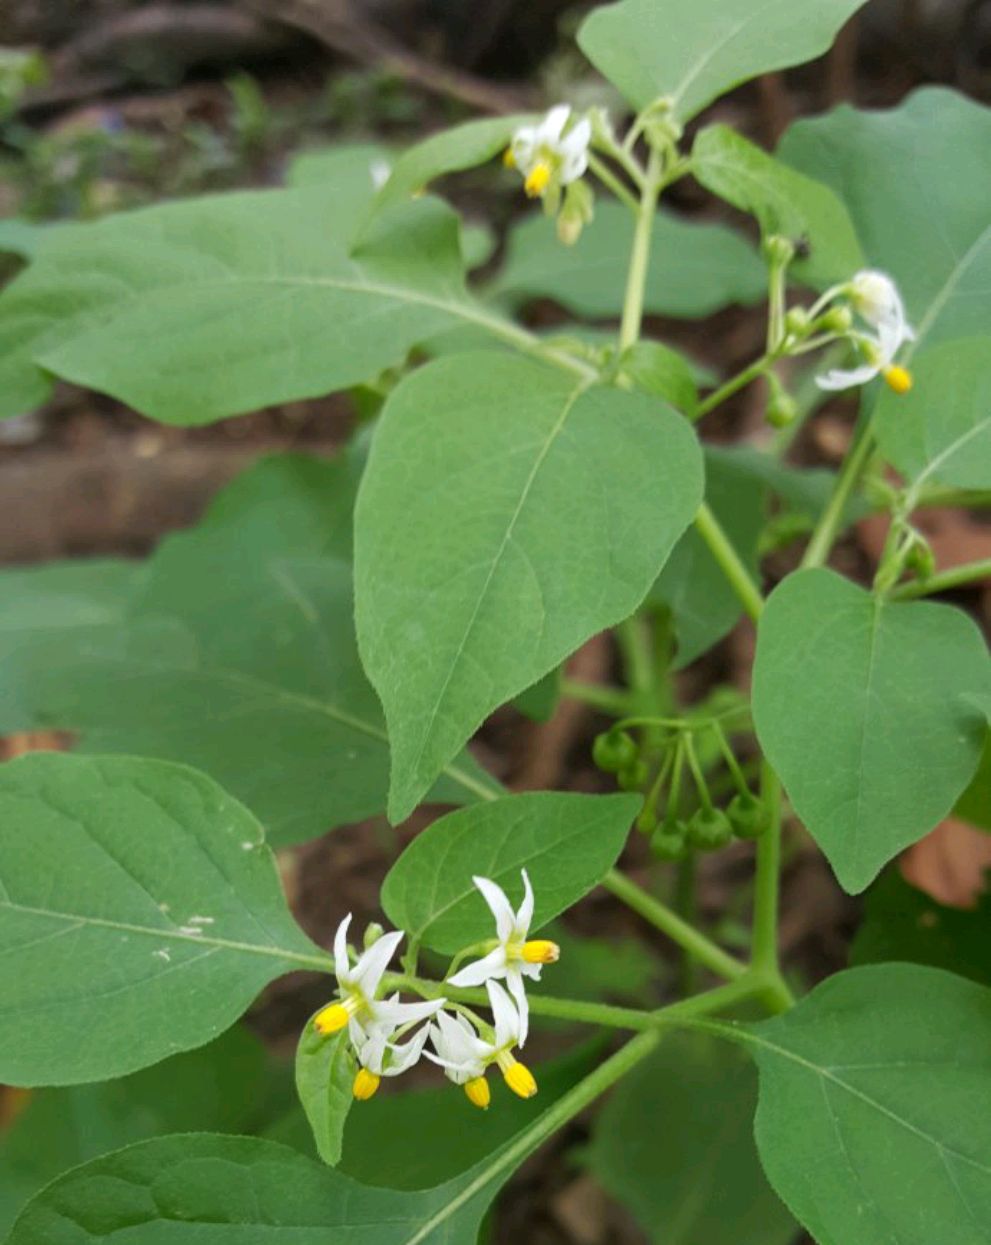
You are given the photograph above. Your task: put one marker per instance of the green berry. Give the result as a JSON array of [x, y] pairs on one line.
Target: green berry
[[632, 777], [709, 829], [668, 841], [748, 816], [647, 821], [614, 751]]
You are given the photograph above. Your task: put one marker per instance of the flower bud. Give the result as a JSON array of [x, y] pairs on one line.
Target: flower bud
[[373, 932], [797, 322], [837, 320], [782, 410], [576, 212], [778, 251], [614, 751], [709, 829], [748, 816]]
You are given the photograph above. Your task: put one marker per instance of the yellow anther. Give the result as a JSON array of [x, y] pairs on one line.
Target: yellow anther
[[508, 159], [365, 1084], [541, 951], [898, 378], [537, 180], [519, 1078], [478, 1093], [331, 1019]]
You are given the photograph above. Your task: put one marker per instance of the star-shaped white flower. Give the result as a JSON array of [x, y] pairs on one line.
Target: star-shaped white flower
[[875, 297], [546, 155], [465, 1056], [379, 1056], [515, 957], [357, 989]]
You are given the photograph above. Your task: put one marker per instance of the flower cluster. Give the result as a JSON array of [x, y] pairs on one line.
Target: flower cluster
[[546, 156], [874, 297], [383, 1031]]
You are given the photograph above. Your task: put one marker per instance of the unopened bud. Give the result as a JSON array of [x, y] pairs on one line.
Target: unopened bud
[[778, 251], [797, 322], [373, 932], [837, 320]]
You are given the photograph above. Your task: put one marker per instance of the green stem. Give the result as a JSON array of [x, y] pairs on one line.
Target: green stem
[[611, 700], [679, 931], [824, 535], [636, 281], [608, 178], [944, 581], [767, 881], [729, 560], [732, 386]]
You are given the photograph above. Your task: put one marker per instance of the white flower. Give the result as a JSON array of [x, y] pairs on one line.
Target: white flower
[[465, 1056], [875, 297], [379, 1056], [546, 156], [515, 957], [357, 987], [380, 170]]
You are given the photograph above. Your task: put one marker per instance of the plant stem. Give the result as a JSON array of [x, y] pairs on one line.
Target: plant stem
[[608, 178], [955, 577], [636, 281], [734, 385], [711, 531], [829, 523], [611, 700], [765, 930], [679, 931]]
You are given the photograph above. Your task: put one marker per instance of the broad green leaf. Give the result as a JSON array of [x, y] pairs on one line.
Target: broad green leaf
[[498, 526], [691, 51], [349, 168], [696, 1178], [324, 1075], [450, 151], [860, 706], [222, 1087], [917, 198], [567, 843], [194, 311], [872, 1121], [656, 368], [804, 489], [140, 915], [23, 237], [974, 805], [902, 923], [692, 585], [940, 433], [695, 269], [784, 202], [237, 655]]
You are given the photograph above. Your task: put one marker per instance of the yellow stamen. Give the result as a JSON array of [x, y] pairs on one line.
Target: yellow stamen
[[519, 1078], [541, 951], [508, 159], [537, 180], [898, 378], [365, 1084], [478, 1093], [331, 1019]]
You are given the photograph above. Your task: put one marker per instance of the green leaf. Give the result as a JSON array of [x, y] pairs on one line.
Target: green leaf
[[223, 1087], [450, 151], [860, 706], [902, 923], [691, 51], [940, 432], [874, 162], [601, 970], [140, 915], [194, 311], [872, 1122], [237, 655], [23, 238], [698, 1178], [567, 843], [974, 805], [324, 1076], [657, 369], [350, 168], [784, 202], [695, 269], [692, 585], [543, 497]]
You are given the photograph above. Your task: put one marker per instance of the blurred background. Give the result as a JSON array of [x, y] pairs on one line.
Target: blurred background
[[110, 104]]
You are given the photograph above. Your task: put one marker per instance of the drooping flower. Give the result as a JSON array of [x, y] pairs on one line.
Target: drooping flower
[[546, 156], [357, 989], [515, 956], [875, 298], [379, 1056], [465, 1056]]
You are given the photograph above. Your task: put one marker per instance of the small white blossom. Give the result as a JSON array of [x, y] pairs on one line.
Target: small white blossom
[[357, 988], [546, 155], [514, 957], [875, 297], [465, 1056], [379, 1056]]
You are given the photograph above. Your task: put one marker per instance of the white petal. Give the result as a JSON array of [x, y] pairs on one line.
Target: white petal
[[524, 146], [405, 1056], [525, 914], [517, 989], [530, 970], [372, 1052], [342, 965], [838, 379], [499, 906], [507, 1020], [552, 126], [373, 962], [493, 965], [387, 1012]]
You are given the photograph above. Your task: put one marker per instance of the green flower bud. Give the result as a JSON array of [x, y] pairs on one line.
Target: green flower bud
[[797, 322], [632, 777], [709, 829], [614, 750], [576, 212], [373, 932], [778, 251], [837, 320], [748, 816]]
